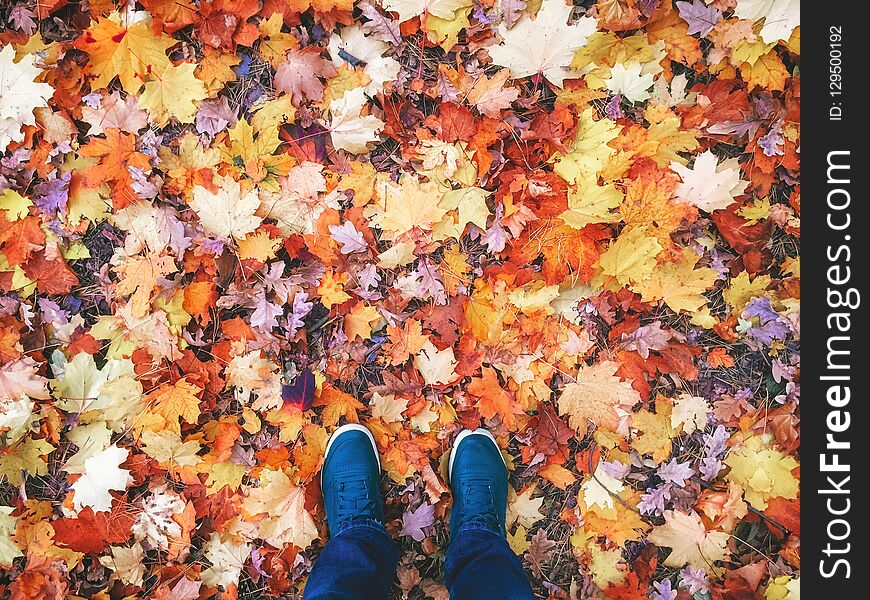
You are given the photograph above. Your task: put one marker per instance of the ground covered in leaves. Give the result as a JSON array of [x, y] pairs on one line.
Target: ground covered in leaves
[[229, 226]]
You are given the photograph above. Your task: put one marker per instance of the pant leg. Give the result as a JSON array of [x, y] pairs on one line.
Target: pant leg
[[480, 565], [357, 563]]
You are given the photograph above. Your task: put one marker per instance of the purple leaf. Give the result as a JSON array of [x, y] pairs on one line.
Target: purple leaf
[[646, 338], [653, 501], [413, 522], [675, 472], [300, 393], [265, 313], [700, 17], [350, 239], [694, 580], [663, 591]]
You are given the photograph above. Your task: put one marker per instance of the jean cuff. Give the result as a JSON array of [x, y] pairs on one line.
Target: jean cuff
[[478, 526], [362, 523]]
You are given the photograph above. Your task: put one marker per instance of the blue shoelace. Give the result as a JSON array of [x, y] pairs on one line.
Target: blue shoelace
[[354, 499], [479, 502]]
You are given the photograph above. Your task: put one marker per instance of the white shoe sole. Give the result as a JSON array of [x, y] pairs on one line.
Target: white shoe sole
[[464, 434], [344, 429]]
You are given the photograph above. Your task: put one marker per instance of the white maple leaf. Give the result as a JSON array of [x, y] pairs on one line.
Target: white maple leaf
[[226, 214], [102, 475], [436, 366], [781, 17], [545, 44], [629, 82], [689, 541], [19, 95], [709, 185], [599, 489], [349, 130], [366, 50], [408, 9], [227, 560]]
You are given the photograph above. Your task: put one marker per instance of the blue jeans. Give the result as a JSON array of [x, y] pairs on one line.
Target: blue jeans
[[359, 563]]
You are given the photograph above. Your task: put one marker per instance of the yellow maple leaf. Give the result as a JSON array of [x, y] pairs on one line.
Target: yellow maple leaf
[[631, 258], [173, 92], [413, 204], [741, 290], [689, 541], [129, 52], [178, 402], [9, 551], [598, 395], [655, 429], [138, 278], [331, 289], [518, 541], [768, 72], [223, 474], [764, 473], [360, 320], [169, 450], [259, 246], [679, 283], [589, 202], [274, 44], [590, 149], [279, 508]]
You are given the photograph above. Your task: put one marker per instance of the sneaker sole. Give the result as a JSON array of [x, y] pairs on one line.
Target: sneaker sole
[[464, 434], [344, 429]]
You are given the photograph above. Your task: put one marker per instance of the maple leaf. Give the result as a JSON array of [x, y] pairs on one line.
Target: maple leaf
[[227, 559], [630, 82], [589, 151], [631, 259], [138, 278], [102, 475], [690, 413], [709, 184], [409, 206], [301, 74], [128, 51], [350, 130], [700, 17], [9, 551], [523, 509], [597, 395], [117, 153], [781, 17], [679, 283], [544, 45], [281, 508], [92, 531], [414, 522], [489, 95], [128, 564], [438, 367], [690, 542], [227, 214], [367, 52], [493, 399], [173, 92], [764, 473], [19, 95]]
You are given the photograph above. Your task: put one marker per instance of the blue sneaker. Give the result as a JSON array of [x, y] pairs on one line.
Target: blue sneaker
[[478, 478], [350, 479]]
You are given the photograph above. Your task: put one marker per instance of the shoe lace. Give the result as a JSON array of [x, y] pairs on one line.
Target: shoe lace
[[354, 498], [479, 502]]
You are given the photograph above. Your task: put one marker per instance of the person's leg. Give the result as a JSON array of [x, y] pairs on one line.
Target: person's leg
[[359, 562], [480, 564]]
